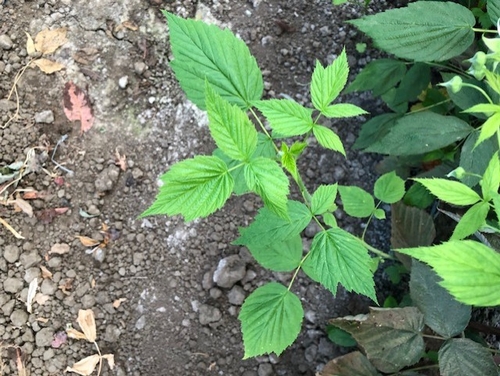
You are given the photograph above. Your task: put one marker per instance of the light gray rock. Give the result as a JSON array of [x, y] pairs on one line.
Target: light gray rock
[[265, 369], [209, 314], [32, 273], [8, 307], [44, 337], [44, 117], [5, 42], [140, 323], [236, 296], [13, 285], [112, 333], [19, 317], [48, 287], [230, 270], [11, 253], [6, 105], [107, 179], [30, 259]]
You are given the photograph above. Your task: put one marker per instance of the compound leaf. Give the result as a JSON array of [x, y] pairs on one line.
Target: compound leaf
[[452, 192], [286, 117], [271, 318], [205, 52], [328, 139], [339, 257], [470, 270], [356, 201], [442, 313], [379, 75], [493, 9], [328, 82], [471, 221], [194, 188], [282, 256], [464, 357], [265, 177], [391, 338], [352, 364], [269, 228], [323, 198], [489, 128], [230, 127], [423, 31], [389, 188], [491, 178]]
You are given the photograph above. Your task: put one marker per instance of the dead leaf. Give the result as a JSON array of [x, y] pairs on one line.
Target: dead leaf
[[92, 283], [45, 272], [11, 229], [59, 248], [61, 210], [41, 299], [75, 334], [86, 366], [130, 25], [121, 160], [31, 294], [43, 320], [88, 242], [24, 206], [33, 195], [30, 45], [21, 369], [48, 41], [86, 55], [48, 66], [77, 106], [111, 360], [118, 302], [87, 324], [66, 286]]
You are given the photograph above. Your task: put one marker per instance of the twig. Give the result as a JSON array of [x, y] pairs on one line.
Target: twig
[[58, 165]]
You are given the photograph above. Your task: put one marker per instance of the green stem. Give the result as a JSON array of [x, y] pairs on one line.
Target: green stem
[[298, 269], [264, 129], [450, 68], [433, 337], [472, 86], [368, 222], [378, 252], [428, 107], [431, 366], [235, 167], [484, 31]]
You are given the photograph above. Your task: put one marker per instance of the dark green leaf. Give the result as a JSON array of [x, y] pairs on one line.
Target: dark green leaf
[[415, 81], [418, 196], [467, 96], [493, 9], [375, 130], [464, 357], [379, 75], [352, 364], [340, 336], [475, 159]]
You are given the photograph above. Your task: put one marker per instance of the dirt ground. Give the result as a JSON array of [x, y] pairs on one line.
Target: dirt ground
[[151, 287]]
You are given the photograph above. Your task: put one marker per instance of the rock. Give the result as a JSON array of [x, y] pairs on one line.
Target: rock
[[310, 353], [48, 287], [8, 307], [44, 337], [6, 105], [208, 281], [106, 180], [137, 258], [112, 333], [44, 117], [5, 42], [140, 67], [30, 259], [19, 317], [140, 323], [123, 82], [13, 285], [11, 253], [236, 296], [209, 314], [88, 301], [230, 270], [265, 369], [32, 273]]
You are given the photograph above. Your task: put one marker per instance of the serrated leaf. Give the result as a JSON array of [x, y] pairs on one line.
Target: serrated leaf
[[271, 318], [467, 96], [491, 178], [238, 174], [205, 52], [327, 83], [452, 192], [230, 127], [356, 201], [340, 336], [286, 117], [442, 313], [474, 160], [416, 80], [339, 257], [328, 139], [343, 110], [489, 128], [417, 133], [418, 196], [268, 227], [391, 338], [352, 364], [288, 161], [375, 130], [470, 270], [266, 178], [464, 357], [329, 219], [471, 221], [493, 10], [323, 198], [389, 188], [194, 188], [423, 31], [379, 75], [280, 256]]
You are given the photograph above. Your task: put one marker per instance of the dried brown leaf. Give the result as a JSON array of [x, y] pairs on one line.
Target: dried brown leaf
[[88, 242], [24, 206], [130, 25], [75, 334], [48, 41], [111, 360], [30, 45], [118, 302], [48, 66], [46, 273], [121, 160], [87, 324], [59, 248], [86, 366], [66, 286], [21, 369], [77, 106], [42, 320], [41, 299]]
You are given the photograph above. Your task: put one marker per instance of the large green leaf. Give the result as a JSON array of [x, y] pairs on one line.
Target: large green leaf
[[375, 130], [442, 313], [286, 117], [423, 31], [379, 75], [491, 178], [266, 178], [230, 127], [205, 52], [389, 188], [279, 256], [473, 219], [323, 198], [391, 338], [269, 228], [339, 257], [474, 159], [352, 364], [493, 9], [452, 192], [420, 133], [470, 270], [271, 318], [356, 201], [467, 96], [327, 83], [194, 188], [328, 139], [464, 357], [415, 81]]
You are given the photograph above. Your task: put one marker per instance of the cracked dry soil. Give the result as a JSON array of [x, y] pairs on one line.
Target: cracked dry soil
[[178, 304]]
